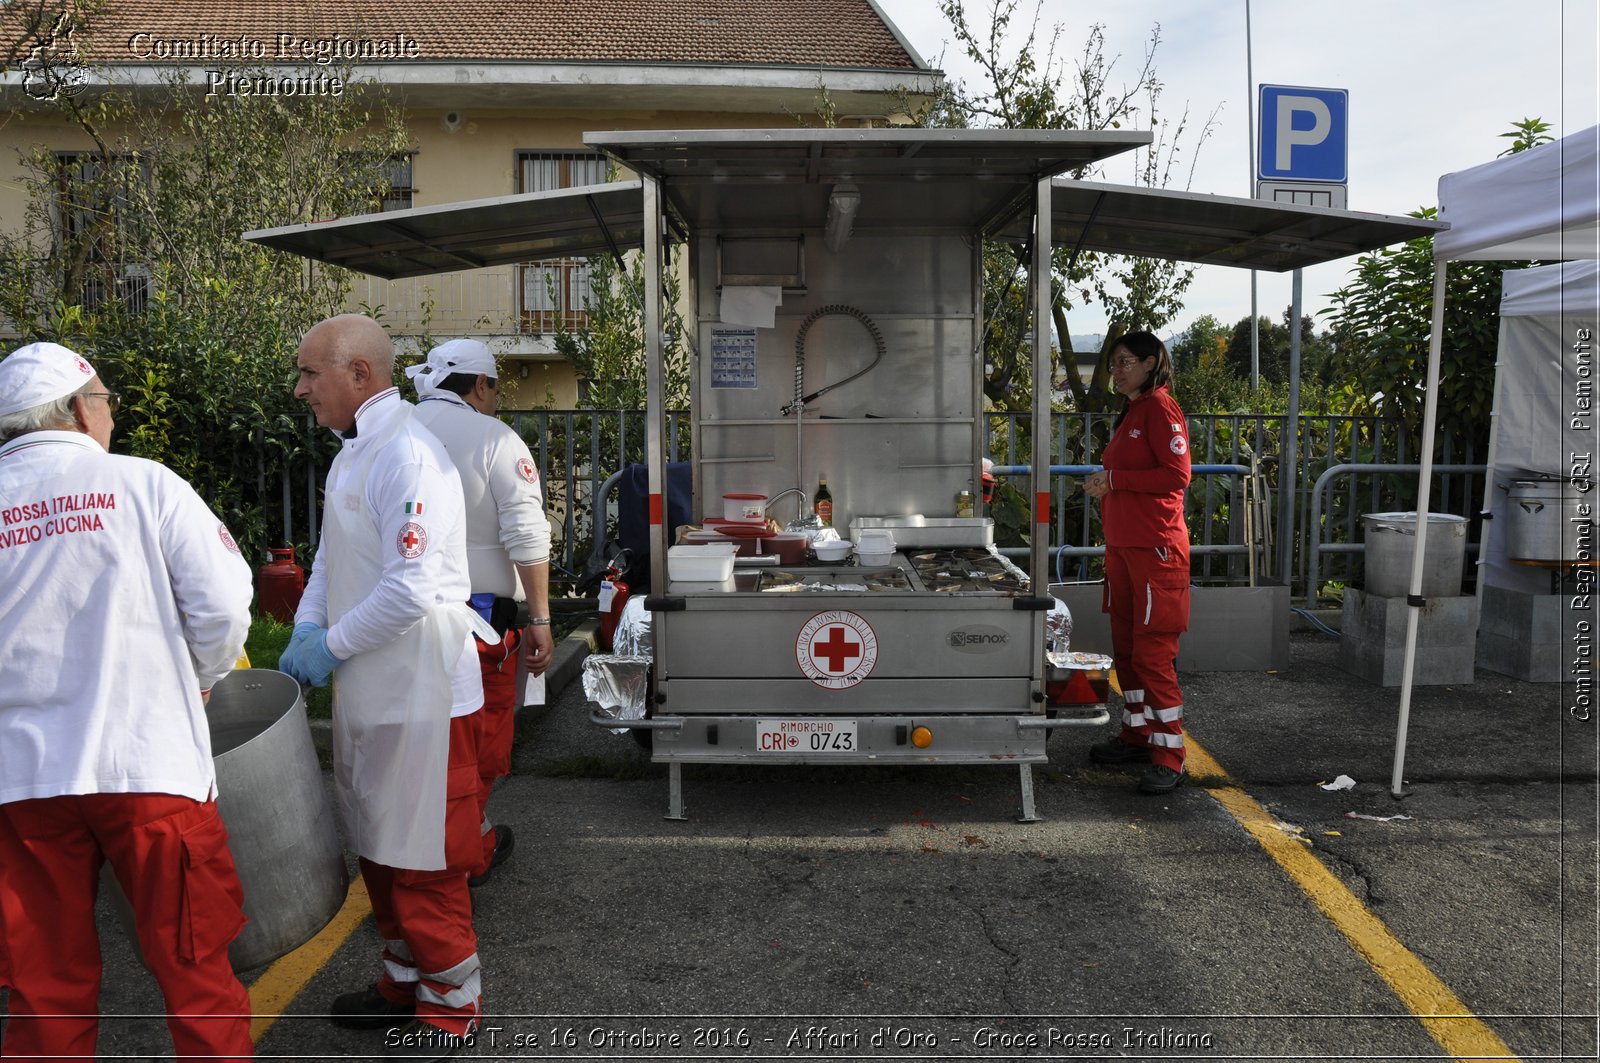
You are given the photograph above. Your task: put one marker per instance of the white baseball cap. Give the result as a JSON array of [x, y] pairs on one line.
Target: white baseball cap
[[452, 356], [462, 356], [39, 373]]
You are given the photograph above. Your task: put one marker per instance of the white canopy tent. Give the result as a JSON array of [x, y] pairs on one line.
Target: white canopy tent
[[1542, 310], [1543, 203]]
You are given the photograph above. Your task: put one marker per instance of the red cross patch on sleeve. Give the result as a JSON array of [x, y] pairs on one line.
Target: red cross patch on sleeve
[[529, 473], [412, 540]]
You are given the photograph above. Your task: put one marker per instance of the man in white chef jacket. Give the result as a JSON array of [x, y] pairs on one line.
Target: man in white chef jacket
[[123, 599], [508, 550], [384, 614]]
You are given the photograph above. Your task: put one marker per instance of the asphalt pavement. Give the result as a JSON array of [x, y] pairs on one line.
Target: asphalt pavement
[[870, 913]]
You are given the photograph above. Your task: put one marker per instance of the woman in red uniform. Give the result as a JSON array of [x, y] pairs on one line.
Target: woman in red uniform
[[1140, 488]]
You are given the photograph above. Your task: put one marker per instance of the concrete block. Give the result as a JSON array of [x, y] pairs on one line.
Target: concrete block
[[1373, 639], [1231, 629], [1525, 635], [1532, 662]]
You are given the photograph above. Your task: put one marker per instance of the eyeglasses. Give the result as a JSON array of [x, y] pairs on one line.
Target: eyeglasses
[[113, 400], [1126, 362]]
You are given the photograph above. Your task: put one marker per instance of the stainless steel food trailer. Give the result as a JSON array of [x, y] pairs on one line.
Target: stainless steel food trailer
[[836, 315]]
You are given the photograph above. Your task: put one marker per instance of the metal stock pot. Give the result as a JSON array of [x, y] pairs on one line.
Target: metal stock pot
[[1552, 521]]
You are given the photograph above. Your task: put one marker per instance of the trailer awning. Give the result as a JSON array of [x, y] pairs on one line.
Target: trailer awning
[[1211, 230], [906, 179], [568, 222], [968, 178]]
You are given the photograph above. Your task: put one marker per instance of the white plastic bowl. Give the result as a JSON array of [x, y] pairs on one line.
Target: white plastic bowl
[[832, 549]]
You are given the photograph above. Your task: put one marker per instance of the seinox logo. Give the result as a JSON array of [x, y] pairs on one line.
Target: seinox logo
[[979, 638]]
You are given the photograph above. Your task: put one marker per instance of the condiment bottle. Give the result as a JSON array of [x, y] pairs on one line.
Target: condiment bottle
[[822, 503]]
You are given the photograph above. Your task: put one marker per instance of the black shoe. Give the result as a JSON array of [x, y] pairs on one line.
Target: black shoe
[[418, 1040], [368, 1009], [504, 842], [1116, 751], [1160, 780]]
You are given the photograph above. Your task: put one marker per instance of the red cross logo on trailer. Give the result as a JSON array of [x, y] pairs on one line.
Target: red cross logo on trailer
[[836, 649]]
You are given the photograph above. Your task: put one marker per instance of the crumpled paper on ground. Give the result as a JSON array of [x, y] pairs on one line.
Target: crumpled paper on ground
[[1375, 819], [1343, 782]]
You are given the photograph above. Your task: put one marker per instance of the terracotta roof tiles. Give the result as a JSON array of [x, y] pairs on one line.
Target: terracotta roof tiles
[[833, 33]]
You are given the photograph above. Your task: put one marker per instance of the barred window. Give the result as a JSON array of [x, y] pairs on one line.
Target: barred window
[[554, 293], [94, 201]]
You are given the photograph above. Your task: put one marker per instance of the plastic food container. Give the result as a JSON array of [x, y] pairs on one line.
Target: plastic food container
[[833, 549], [744, 507], [789, 546], [875, 541], [707, 563], [875, 548], [749, 537]]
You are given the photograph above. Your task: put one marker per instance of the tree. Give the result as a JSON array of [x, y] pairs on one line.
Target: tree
[[132, 252], [1021, 91], [1204, 343], [1383, 318], [607, 352], [1274, 339]]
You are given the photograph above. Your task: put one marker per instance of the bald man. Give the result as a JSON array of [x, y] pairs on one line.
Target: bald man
[[384, 616]]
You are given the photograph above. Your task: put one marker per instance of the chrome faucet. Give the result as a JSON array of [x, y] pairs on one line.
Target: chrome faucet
[[800, 512]]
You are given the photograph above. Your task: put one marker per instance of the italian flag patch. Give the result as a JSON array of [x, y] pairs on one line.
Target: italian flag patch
[[413, 509]]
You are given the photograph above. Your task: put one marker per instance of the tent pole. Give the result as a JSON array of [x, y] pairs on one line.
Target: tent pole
[[1430, 406]]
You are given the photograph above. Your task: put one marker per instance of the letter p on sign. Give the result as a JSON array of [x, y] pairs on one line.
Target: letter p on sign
[[1304, 134]]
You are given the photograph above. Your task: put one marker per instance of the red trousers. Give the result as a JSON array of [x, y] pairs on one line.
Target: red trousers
[[430, 954], [1147, 597], [498, 728], [170, 855]]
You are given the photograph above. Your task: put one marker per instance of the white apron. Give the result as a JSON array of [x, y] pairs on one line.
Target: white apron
[[391, 705]]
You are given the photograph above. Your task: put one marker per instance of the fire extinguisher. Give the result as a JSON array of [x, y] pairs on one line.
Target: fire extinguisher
[[613, 596], [281, 584]]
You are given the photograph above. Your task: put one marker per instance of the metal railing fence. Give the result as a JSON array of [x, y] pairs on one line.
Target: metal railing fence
[[1231, 511]]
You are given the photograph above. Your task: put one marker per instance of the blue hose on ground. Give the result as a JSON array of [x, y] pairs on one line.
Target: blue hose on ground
[[1311, 618]]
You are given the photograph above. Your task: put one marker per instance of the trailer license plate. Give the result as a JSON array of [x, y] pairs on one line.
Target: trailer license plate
[[806, 736]]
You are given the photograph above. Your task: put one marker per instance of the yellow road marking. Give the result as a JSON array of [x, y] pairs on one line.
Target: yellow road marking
[[1441, 1013], [279, 984]]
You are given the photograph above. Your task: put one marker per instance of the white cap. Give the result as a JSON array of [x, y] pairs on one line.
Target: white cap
[[39, 373], [452, 356]]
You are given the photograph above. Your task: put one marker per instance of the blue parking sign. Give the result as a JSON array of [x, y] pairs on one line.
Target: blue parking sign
[[1304, 134]]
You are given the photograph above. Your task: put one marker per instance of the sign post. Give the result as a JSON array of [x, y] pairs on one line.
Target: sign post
[[1303, 158]]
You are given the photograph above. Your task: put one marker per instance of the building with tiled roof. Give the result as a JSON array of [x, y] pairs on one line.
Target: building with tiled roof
[[497, 94]]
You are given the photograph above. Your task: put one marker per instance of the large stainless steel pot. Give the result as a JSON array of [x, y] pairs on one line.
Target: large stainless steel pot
[[1390, 540], [1551, 520], [281, 826]]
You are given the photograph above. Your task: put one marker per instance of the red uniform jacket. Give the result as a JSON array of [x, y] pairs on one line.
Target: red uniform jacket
[[1148, 458]]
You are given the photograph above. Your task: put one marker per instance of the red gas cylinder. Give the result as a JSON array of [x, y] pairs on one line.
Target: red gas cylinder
[[281, 584]]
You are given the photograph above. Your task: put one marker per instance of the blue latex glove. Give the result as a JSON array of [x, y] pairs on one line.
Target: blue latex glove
[[290, 660], [307, 658]]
